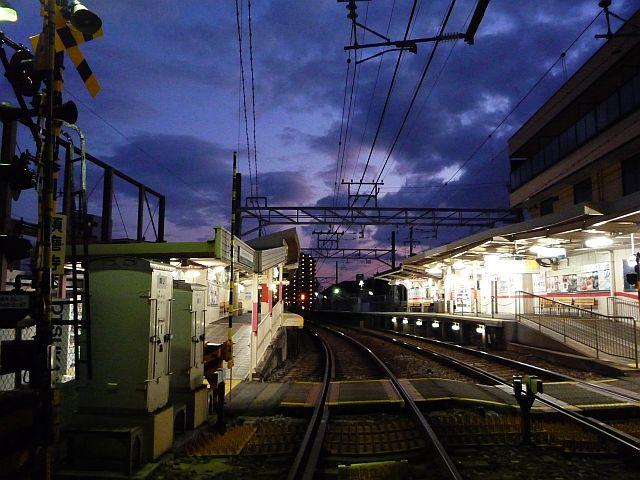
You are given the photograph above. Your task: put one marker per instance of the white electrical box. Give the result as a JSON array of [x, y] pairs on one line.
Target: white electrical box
[[189, 309], [131, 335]]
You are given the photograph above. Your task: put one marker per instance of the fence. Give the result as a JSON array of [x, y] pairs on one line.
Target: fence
[[267, 330], [615, 335], [617, 306]]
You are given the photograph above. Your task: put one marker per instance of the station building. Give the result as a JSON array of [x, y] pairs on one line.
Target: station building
[[575, 174]]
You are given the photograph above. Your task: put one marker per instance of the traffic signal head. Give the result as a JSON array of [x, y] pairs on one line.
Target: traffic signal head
[[18, 174], [22, 74]]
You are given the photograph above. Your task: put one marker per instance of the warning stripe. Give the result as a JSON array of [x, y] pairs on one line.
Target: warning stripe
[[68, 39]]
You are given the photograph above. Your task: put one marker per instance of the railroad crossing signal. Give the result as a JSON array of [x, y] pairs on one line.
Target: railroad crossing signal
[[67, 39]]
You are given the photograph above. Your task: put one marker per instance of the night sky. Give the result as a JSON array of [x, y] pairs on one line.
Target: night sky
[[168, 113]]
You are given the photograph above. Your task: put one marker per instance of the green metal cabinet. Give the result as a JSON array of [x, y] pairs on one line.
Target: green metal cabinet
[[131, 340], [187, 346]]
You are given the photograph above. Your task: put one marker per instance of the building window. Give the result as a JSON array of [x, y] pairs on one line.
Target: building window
[[582, 191], [546, 206], [630, 175]]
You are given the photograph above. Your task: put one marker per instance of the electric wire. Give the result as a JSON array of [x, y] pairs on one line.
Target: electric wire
[[115, 198], [520, 102], [137, 147], [253, 97], [344, 103], [373, 92], [416, 90], [244, 96], [384, 110], [387, 99]]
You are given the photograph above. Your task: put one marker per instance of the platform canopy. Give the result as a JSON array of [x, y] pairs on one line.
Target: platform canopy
[[568, 229]]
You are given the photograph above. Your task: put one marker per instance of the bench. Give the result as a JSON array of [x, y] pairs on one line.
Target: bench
[[586, 303]]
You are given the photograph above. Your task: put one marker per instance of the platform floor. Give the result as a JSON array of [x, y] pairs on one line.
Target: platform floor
[[217, 332], [259, 398]]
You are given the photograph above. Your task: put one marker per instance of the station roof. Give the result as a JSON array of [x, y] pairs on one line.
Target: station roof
[[568, 229], [288, 237]]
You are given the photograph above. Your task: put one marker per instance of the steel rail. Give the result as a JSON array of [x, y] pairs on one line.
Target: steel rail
[[409, 404], [306, 460], [620, 438], [516, 363]]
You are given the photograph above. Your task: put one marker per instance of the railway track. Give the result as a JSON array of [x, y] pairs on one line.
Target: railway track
[[505, 367], [306, 460], [617, 437]]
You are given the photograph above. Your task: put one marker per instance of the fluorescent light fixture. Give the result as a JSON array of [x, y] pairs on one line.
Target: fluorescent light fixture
[[394, 320], [598, 242], [434, 271], [545, 252], [8, 13], [370, 292], [405, 321], [480, 329], [459, 265], [455, 327], [419, 323], [435, 324]]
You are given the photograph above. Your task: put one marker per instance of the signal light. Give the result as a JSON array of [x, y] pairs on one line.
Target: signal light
[[22, 74], [18, 174], [303, 296], [82, 19], [15, 248]]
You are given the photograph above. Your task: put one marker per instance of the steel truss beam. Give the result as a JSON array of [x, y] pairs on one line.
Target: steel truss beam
[[350, 254], [435, 218]]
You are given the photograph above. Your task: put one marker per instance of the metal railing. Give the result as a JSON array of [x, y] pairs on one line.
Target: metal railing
[[615, 335], [617, 306]]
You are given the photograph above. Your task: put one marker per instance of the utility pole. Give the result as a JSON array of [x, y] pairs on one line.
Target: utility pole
[[411, 242], [232, 283], [393, 249]]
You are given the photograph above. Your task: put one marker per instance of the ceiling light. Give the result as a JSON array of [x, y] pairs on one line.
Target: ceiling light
[[419, 323], [394, 320], [480, 329], [459, 265], [455, 327], [546, 252], [598, 242], [405, 321], [435, 324], [434, 271], [7, 12]]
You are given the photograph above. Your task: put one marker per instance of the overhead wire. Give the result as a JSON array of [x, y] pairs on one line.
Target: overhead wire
[[520, 102], [137, 147], [244, 95], [373, 92], [253, 97], [416, 91], [382, 114]]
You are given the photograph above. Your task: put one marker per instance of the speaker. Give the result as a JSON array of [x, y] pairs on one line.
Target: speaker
[[67, 112]]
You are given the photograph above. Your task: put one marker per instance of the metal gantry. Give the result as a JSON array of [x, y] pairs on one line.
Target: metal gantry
[[379, 254], [438, 217]]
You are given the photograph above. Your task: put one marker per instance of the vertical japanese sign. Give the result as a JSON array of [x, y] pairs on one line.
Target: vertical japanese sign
[[58, 243]]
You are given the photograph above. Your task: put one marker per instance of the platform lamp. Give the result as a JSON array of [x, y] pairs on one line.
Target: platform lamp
[[7, 12]]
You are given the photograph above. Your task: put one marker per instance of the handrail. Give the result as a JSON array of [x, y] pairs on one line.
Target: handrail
[[614, 335]]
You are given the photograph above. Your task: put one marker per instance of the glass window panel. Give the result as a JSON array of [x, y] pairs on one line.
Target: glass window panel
[[590, 124], [602, 116], [626, 97], [581, 131]]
